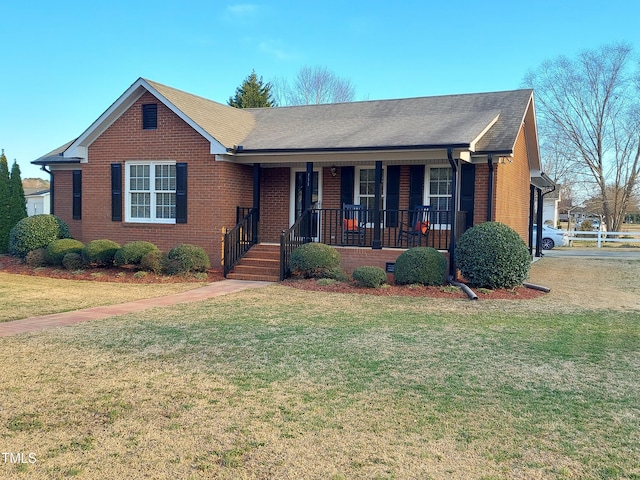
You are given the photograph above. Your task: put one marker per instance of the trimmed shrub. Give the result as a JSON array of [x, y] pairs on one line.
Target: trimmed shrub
[[315, 260], [57, 249], [72, 261], [371, 277], [131, 253], [153, 262], [100, 252], [422, 266], [187, 258], [35, 232], [36, 258], [492, 255]]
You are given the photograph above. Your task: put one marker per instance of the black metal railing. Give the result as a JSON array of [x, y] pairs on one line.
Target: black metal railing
[[300, 233], [397, 228], [240, 238]]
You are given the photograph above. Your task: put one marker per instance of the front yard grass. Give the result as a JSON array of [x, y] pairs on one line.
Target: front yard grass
[[23, 296], [284, 383]]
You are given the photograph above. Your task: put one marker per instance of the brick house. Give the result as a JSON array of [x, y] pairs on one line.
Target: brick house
[[170, 167]]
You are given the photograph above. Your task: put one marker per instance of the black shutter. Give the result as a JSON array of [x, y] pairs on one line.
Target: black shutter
[[116, 192], [150, 116], [467, 191], [77, 195], [181, 193], [393, 195], [416, 186], [347, 175]]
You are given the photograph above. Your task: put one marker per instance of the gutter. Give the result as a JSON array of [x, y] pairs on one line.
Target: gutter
[[239, 149]]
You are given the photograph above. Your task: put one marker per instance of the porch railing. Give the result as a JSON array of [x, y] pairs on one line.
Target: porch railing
[[328, 226], [299, 233], [240, 238]]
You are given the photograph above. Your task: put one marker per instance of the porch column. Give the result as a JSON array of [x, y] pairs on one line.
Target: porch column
[[452, 241], [308, 191], [532, 200], [377, 243], [256, 201], [490, 190]]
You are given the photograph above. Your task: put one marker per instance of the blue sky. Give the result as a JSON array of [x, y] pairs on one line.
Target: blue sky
[[64, 63]]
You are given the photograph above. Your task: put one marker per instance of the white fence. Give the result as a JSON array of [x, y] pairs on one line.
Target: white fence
[[599, 237]]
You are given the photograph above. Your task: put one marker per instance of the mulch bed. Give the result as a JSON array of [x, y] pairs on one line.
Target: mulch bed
[[518, 293], [9, 264]]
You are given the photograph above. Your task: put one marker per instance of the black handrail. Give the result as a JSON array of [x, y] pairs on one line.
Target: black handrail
[[290, 239], [240, 239]]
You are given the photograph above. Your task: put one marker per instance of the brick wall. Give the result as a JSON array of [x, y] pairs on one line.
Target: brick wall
[[63, 198], [512, 190], [214, 188], [354, 257], [274, 203]]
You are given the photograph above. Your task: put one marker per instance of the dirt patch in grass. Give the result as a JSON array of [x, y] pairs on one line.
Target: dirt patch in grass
[[9, 264]]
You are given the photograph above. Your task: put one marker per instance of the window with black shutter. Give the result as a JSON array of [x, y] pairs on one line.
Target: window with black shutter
[[150, 116]]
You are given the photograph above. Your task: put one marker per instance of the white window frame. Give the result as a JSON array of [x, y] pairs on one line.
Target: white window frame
[[152, 191], [356, 190], [427, 194]]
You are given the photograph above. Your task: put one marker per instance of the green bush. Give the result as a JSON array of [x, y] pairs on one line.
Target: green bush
[[57, 249], [72, 261], [315, 260], [36, 258], [35, 232], [492, 255], [153, 262], [187, 258], [100, 252], [371, 277], [420, 265], [131, 253]]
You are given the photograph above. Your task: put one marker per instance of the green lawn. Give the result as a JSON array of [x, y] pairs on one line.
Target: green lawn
[[282, 383]]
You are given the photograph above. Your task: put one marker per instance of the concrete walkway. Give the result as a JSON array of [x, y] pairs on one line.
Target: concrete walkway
[[34, 324]]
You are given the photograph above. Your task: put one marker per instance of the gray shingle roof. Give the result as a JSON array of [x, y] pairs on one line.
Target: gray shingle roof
[[226, 124], [426, 121]]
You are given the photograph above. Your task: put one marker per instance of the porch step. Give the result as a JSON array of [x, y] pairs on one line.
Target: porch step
[[261, 263]]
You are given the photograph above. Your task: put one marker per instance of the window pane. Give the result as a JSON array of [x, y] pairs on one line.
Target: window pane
[[165, 177], [139, 177], [165, 205], [140, 205]]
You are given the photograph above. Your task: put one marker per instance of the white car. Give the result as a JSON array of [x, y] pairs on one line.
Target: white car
[[551, 237]]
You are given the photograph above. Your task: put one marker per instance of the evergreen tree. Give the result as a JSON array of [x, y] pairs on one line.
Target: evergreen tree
[[17, 202], [253, 93], [5, 225]]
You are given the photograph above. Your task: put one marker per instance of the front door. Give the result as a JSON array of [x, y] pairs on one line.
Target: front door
[[299, 191]]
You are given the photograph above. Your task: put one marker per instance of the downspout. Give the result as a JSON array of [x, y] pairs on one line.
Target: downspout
[[51, 189], [490, 190], [532, 198], [539, 223], [452, 240]]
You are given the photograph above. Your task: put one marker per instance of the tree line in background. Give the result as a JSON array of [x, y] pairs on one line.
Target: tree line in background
[[13, 206]]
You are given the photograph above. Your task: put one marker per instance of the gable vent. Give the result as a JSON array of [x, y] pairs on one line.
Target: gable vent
[[150, 116]]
